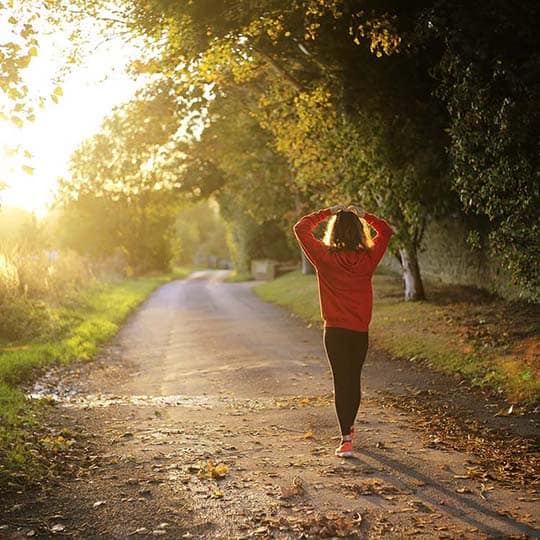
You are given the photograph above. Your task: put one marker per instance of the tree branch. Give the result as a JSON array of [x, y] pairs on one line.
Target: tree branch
[[280, 70]]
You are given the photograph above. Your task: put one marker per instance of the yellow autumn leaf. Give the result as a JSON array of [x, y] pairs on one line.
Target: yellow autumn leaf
[[32, 51], [218, 494], [24, 61], [12, 20], [220, 470], [210, 470], [17, 120], [58, 91], [308, 434], [27, 169]]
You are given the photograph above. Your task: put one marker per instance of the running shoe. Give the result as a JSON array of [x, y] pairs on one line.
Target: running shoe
[[344, 449]]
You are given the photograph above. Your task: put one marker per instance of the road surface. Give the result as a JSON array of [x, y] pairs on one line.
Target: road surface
[[211, 416]]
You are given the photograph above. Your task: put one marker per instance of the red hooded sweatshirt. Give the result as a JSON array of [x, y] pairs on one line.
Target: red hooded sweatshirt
[[344, 277]]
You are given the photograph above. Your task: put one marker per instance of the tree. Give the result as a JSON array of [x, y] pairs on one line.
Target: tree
[[322, 60], [347, 92], [200, 235], [251, 182], [488, 75], [23, 27], [121, 190]]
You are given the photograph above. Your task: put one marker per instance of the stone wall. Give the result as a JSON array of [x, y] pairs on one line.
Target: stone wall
[[447, 257]]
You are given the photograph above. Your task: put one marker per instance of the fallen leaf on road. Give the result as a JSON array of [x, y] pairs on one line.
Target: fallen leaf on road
[[295, 489], [421, 507], [308, 435], [140, 530], [374, 487], [211, 470], [97, 504]]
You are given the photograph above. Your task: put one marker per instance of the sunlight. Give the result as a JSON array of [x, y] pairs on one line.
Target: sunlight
[[89, 94]]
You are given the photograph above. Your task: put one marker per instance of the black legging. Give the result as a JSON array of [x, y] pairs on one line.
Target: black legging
[[346, 351]]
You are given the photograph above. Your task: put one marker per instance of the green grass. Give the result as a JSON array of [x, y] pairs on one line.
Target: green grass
[[295, 292], [419, 330], [94, 319], [239, 277]]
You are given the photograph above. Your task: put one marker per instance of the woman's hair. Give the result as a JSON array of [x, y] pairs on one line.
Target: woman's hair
[[347, 232]]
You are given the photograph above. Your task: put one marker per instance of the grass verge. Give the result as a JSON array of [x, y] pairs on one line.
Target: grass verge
[[460, 330], [94, 318], [239, 277]]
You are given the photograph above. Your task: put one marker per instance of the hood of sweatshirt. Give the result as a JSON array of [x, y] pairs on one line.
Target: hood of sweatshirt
[[353, 262]]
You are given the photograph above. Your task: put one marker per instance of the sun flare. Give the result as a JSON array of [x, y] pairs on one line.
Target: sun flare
[[90, 92]]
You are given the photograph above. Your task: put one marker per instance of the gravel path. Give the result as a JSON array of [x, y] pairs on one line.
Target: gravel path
[[211, 416]]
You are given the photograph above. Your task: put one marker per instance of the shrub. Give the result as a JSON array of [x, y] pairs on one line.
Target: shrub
[[26, 319], [69, 272], [9, 278]]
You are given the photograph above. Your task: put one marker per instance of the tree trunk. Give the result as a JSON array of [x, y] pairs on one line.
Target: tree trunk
[[307, 267], [414, 288]]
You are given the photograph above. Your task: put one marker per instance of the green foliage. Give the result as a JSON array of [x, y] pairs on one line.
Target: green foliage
[[239, 227], [32, 279], [12, 221], [18, 48], [251, 182], [348, 124], [411, 109], [121, 192], [27, 319], [78, 331], [249, 239], [488, 77], [200, 234], [12, 447]]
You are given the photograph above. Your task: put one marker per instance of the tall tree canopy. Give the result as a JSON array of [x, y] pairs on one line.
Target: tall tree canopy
[[352, 115], [120, 193], [488, 73], [415, 110]]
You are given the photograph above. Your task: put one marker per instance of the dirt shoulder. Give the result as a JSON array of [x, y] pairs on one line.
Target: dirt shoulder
[[211, 416]]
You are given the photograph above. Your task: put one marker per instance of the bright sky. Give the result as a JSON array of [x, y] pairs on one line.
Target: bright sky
[[90, 92]]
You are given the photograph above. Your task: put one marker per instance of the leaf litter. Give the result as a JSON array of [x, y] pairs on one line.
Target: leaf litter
[[497, 456]]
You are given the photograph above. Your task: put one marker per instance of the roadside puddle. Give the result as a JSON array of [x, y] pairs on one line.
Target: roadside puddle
[[70, 395], [91, 401]]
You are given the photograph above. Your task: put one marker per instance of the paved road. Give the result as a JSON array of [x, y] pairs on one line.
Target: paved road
[[206, 375], [206, 335]]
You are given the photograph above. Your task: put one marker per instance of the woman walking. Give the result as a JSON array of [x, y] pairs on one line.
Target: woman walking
[[345, 262]]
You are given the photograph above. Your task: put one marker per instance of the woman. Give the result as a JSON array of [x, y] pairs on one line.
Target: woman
[[345, 262]]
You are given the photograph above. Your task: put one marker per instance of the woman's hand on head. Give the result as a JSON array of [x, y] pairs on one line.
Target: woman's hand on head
[[337, 208], [356, 209]]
